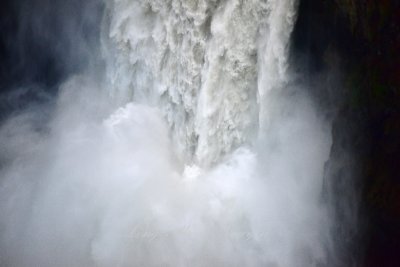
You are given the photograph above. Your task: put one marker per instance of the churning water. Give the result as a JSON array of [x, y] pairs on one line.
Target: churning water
[[195, 148]]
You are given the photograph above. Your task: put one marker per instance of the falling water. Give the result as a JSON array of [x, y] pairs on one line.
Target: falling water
[[196, 148], [208, 66]]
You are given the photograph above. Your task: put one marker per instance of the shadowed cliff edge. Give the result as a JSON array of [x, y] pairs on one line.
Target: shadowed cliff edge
[[361, 40]]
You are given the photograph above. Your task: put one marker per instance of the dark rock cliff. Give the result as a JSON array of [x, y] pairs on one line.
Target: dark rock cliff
[[356, 43]]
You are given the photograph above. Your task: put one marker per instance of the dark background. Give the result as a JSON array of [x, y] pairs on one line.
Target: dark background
[[44, 41], [362, 38], [41, 43]]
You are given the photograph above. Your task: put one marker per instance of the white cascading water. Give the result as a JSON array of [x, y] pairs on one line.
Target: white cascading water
[[197, 149], [205, 64]]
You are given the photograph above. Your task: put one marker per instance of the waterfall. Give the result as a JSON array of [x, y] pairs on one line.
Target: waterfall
[[206, 64], [196, 147]]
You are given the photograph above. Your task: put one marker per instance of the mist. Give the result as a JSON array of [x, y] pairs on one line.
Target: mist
[[130, 163]]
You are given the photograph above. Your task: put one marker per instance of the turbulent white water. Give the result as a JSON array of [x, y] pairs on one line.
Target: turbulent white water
[[206, 64], [197, 149]]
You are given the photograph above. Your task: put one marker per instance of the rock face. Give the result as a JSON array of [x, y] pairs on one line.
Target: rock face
[[362, 39]]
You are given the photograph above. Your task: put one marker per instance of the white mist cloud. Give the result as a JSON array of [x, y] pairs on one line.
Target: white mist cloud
[[101, 188], [102, 185]]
